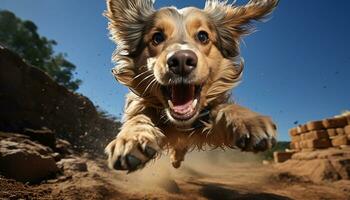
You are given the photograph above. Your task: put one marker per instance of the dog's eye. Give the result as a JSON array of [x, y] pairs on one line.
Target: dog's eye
[[203, 37], [158, 38]]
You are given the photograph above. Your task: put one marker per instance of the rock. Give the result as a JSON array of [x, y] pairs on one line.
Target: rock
[[59, 179], [57, 156], [44, 136], [73, 165], [26, 161], [63, 147]]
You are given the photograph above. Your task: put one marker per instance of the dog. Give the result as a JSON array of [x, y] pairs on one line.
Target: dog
[[180, 66]]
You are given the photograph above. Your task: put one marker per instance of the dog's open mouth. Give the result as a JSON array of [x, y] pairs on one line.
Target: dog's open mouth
[[183, 100]]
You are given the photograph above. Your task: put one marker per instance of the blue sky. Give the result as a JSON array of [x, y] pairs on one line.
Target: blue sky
[[297, 64]]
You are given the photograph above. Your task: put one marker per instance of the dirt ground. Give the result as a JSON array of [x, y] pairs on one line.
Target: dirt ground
[[205, 175]]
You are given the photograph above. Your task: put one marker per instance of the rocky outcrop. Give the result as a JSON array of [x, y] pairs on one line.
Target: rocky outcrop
[[31, 100], [74, 164], [25, 160], [319, 166]]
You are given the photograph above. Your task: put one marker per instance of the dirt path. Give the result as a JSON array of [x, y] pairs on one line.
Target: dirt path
[[213, 175]]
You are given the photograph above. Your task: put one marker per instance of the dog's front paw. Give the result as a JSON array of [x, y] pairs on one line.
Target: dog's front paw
[[255, 134], [249, 130], [131, 152]]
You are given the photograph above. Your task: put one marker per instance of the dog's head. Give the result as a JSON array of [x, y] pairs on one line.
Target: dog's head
[[181, 60]]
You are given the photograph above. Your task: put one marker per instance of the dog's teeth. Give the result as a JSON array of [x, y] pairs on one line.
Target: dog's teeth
[[194, 103], [171, 104]]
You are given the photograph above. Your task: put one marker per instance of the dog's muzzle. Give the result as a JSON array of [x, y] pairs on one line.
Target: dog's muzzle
[[182, 63], [182, 94]]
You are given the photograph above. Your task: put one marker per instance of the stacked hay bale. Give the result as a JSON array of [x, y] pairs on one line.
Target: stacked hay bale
[[316, 135], [333, 132], [319, 151]]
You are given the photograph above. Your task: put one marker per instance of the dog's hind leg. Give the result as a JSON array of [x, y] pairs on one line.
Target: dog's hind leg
[[177, 155]]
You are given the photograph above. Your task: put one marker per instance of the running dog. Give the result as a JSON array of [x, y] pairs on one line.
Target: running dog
[[180, 66]]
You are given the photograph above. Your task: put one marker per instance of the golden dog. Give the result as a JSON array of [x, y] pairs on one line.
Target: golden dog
[[180, 66]]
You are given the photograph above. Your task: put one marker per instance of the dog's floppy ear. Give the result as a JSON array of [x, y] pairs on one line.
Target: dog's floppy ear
[[127, 21], [233, 21]]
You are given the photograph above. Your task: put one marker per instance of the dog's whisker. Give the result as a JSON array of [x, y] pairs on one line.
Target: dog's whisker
[[148, 86], [166, 121], [156, 85], [141, 74], [146, 78], [163, 117], [153, 85]]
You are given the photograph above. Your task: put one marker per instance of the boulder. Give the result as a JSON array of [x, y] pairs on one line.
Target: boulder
[[24, 160], [72, 165], [44, 136]]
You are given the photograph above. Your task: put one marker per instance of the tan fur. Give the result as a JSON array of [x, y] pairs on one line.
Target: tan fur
[[142, 67]]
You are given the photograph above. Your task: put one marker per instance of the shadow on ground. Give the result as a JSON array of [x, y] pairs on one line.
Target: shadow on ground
[[216, 191]]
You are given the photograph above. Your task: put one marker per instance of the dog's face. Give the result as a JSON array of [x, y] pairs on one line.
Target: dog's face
[[183, 54], [182, 60]]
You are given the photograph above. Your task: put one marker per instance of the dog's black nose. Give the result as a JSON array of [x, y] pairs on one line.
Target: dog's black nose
[[183, 62]]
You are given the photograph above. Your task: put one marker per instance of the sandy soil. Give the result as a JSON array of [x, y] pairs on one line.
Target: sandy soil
[[211, 175]]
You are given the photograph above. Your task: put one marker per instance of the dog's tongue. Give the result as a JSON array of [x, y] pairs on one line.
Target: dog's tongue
[[182, 97]]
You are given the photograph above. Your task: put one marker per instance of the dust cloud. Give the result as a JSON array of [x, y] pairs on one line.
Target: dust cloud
[[159, 174]]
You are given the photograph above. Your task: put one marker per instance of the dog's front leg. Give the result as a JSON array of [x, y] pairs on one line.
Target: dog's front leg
[[137, 142], [243, 128]]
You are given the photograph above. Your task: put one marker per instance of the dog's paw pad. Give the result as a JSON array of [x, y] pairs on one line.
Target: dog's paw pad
[[149, 152], [243, 141], [132, 163], [254, 144], [130, 155], [118, 165], [261, 145]]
